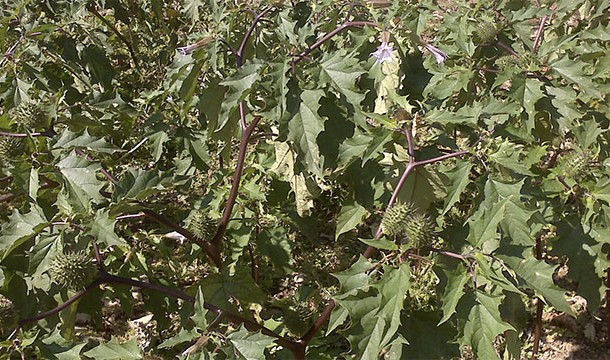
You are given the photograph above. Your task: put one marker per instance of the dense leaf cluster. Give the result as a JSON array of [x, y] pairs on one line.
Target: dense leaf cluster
[[217, 161]]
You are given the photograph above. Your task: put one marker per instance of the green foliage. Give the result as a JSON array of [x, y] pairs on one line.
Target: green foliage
[[269, 132]]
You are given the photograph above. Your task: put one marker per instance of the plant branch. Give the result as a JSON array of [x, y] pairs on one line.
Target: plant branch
[[62, 306], [328, 36], [209, 248], [132, 52], [47, 133], [107, 174], [508, 49], [244, 41], [11, 51], [107, 278], [226, 216], [539, 34]]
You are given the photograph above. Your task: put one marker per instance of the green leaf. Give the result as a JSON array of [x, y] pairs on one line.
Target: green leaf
[[527, 91], [519, 221], [483, 325], [220, 288], [191, 9], [69, 140], [113, 350], [458, 179], [199, 317], [581, 245], [157, 138], [350, 216], [80, 180], [383, 243], [138, 184], [572, 70], [342, 71], [304, 128], [102, 229], [456, 280], [484, 226], [240, 85], [100, 68], [538, 275], [183, 336], [284, 166], [20, 228], [250, 345]]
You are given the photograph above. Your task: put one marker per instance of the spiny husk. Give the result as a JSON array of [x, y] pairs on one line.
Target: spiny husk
[[202, 225], [31, 116], [395, 220], [419, 230], [486, 33], [73, 271]]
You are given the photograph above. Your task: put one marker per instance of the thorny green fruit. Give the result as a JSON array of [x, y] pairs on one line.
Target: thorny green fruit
[[8, 315], [395, 220], [507, 62], [31, 116], [576, 165], [486, 33], [73, 271], [202, 225], [9, 147], [419, 230]]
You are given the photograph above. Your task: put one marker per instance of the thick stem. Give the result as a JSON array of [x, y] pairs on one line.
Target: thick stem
[[243, 147], [539, 307], [537, 328], [62, 306], [106, 278], [244, 41]]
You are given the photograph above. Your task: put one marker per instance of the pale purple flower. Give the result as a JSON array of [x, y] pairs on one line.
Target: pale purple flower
[[383, 53], [185, 50], [439, 55]]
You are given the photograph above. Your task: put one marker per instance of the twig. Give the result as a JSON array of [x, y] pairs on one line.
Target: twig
[[508, 49], [134, 57], [107, 174], [539, 34], [539, 307], [11, 51], [328, 36], [47, 133]]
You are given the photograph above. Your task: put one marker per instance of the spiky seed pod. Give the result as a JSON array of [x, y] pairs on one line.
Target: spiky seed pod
[[395, 220], [486, 33], [31, 116], [507, 62], [202, 225], [419, 230], [73, 271], [9, 148], [576, 165], [8, 315]]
